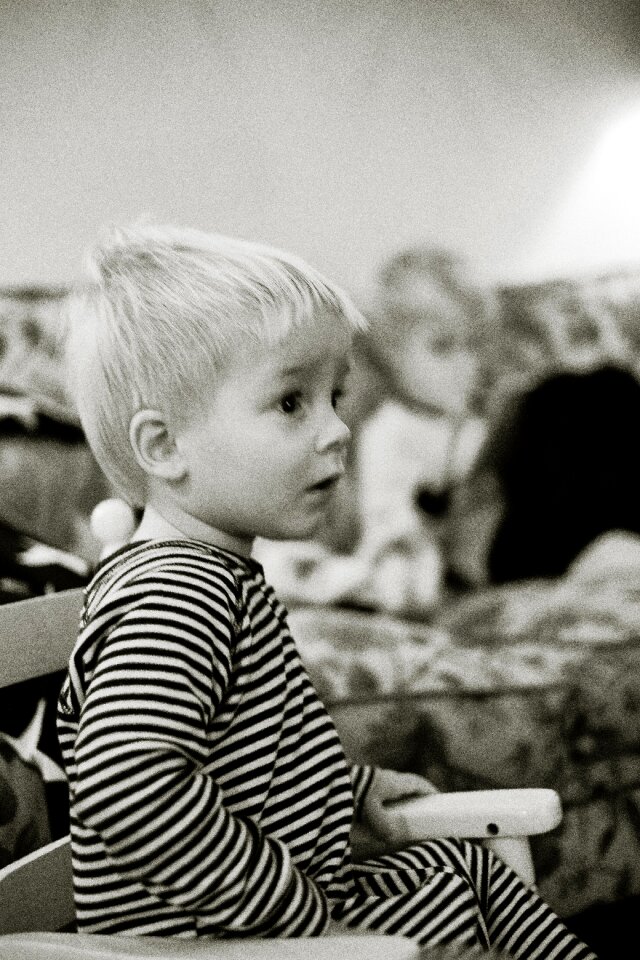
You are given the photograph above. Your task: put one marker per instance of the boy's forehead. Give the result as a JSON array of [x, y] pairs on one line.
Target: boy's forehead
[[309, 345]]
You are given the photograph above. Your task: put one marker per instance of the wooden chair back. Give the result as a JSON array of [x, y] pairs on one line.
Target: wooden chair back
[[36, 892], [37, 635]]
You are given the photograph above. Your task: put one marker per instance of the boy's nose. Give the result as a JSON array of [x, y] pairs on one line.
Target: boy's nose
[[333, 433]]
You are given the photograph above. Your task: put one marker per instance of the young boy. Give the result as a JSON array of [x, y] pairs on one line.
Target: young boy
[[209, 792]]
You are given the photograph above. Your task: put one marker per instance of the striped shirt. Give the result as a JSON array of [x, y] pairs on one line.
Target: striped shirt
[[208, 787]]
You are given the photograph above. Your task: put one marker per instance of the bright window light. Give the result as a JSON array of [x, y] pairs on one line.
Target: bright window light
[[598, 225]]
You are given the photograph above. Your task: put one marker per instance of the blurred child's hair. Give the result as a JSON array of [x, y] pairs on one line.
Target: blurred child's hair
[[437, 262], [446, 272], [160, 311]]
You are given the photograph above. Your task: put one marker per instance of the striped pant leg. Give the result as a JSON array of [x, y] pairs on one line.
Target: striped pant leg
[[419, 894], [520, 922], [489, 903]]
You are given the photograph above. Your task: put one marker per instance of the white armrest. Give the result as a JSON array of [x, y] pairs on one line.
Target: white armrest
[[504, 819], [82, 946], [481, 813]]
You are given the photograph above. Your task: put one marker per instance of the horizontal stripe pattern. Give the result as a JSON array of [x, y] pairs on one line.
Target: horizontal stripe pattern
[[209, 790]]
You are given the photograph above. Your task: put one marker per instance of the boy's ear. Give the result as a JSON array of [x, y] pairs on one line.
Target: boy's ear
[[154, 446]]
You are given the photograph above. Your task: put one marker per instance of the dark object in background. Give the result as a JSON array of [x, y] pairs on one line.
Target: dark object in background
[[433, 504], [569, 470]]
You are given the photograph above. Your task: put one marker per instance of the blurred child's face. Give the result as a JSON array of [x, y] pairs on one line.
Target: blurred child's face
[[265, 456], [435, 373], [425, 346]]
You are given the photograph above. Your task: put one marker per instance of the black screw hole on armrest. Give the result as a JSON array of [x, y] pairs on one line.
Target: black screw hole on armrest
[[493, 829]]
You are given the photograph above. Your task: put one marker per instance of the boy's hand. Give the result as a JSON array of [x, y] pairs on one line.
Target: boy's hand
[[378, 813]]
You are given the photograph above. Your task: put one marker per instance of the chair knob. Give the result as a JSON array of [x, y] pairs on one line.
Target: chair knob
[[112, 524]]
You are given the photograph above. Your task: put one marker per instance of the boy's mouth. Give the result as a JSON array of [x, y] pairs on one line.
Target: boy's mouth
[[327, 483]]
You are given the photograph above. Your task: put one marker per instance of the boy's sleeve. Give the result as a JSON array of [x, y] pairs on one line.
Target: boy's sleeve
[[140, 783], [361, 779]]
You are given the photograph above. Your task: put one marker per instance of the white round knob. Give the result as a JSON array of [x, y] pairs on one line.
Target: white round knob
[[113, 521]]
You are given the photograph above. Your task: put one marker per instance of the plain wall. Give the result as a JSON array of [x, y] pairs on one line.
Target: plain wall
[[342, 129]]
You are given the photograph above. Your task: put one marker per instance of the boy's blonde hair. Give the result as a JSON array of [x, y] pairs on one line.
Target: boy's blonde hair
[[160, 311]]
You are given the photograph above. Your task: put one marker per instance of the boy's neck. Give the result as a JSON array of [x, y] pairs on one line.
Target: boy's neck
[[165, 524]]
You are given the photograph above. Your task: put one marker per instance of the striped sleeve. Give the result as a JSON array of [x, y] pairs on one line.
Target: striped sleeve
[[140, 748], [361, 780]]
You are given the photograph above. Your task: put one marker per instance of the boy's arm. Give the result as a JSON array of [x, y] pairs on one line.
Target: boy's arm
[[140, 784], [361, 779]]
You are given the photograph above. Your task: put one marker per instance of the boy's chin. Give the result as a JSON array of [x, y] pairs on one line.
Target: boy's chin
[[297, 531]]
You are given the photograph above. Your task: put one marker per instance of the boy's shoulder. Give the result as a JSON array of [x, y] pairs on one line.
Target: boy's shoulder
[[170, 566], [144, 589]]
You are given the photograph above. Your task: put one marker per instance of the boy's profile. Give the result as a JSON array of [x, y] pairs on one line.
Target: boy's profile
[[210, 795]]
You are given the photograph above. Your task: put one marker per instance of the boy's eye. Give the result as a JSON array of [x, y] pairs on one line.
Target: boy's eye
[[440, 346], [289, 403], [336, 396]]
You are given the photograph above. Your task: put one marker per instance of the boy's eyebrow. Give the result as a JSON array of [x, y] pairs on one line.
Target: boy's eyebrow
[[344, 368]]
